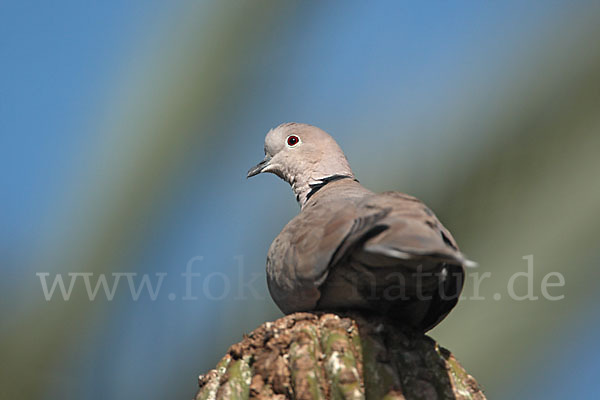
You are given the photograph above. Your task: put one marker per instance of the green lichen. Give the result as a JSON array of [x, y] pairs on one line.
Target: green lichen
[[327, 356], [379, 377], [237, 386], [340, 364], [458, 377], [305, 370], [210, 388]]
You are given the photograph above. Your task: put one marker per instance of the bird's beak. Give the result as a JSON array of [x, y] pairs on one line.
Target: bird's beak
[[258, 168]]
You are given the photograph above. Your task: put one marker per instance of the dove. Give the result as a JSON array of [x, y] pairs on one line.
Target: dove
[[350, 248]]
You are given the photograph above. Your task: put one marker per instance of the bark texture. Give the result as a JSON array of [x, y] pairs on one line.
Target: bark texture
[[329, 356]]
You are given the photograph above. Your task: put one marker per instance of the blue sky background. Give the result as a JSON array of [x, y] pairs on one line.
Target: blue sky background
[[421, 96]]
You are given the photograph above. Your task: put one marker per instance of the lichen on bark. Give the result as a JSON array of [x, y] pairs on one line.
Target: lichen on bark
[[329, 356]]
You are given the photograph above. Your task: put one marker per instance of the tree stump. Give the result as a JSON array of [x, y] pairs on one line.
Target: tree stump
[[329, 356]]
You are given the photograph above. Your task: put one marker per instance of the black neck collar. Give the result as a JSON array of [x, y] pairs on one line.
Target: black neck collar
[[316, 186]]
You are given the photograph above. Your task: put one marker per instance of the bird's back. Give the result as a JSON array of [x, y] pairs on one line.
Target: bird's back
[[350, 248]]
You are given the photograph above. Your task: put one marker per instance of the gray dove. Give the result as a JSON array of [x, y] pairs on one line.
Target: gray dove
[[350, 248]]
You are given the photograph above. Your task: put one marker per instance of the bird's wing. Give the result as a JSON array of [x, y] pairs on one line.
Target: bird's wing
[[415, 240], [414, 232], [299, 258]]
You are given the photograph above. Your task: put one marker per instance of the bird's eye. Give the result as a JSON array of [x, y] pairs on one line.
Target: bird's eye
[[292, 140]]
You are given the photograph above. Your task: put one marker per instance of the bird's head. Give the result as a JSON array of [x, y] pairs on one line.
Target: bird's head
[[301, 154]]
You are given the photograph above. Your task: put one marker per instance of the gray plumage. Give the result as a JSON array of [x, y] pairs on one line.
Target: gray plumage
[[350, 248]]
